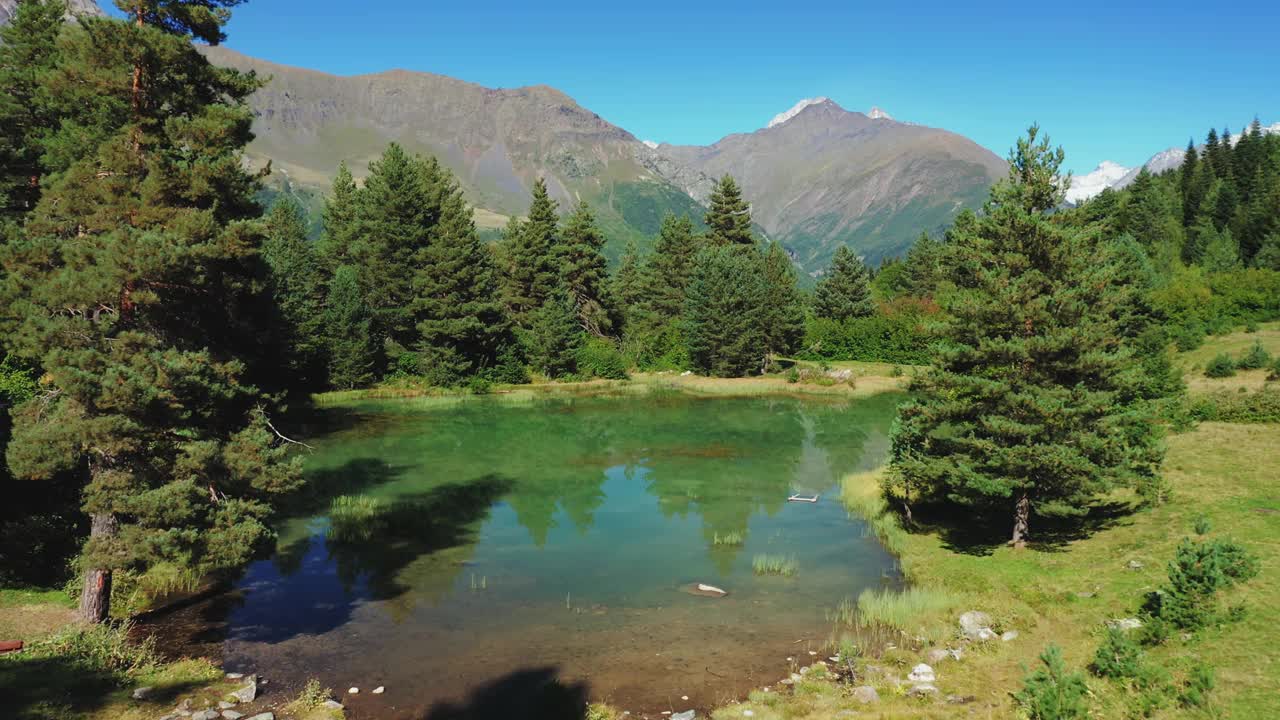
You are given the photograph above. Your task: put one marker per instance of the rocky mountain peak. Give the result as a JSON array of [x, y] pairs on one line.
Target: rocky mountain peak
[[877, 114], [797, 109]]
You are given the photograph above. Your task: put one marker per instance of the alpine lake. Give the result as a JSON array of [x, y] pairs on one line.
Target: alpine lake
[[487, 557]]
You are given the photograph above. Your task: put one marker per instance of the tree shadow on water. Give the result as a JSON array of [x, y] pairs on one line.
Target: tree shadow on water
[[532, 694]]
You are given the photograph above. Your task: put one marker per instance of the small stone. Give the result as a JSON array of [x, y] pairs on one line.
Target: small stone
[[956, 653], [1124, 624], [922, 674], [813, 652], [264, 716], [684, 697], [232, 715], [922, 690], [1135, 565], [354, 690], [937, 655], [866, 694], [235, 676], [804, 671], [786, 681], [1009, 635], [205, 715], [249, 692], [224, 705], [331, 704], [960, 699], [379, 690], [686, 715], [984, 634], [142, 693], [796, 677]]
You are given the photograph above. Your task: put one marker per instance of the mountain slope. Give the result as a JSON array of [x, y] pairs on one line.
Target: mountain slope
[[74, 8], [821, 176], [497, 141]]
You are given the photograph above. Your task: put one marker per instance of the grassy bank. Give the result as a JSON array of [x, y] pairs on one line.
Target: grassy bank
[[1064, 591]]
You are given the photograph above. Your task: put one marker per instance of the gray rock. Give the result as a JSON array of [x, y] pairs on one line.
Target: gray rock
[[224, 705], [973, 621], [142, 693], [985, 635], [205, 715], [249, 692], [235, 676], [686, 715], [232, 715], [922, 674], [937, 655], [866, 694], [922, 690], [1124, 624], [1135, 565], [331, 704], [960, 699], [171, 716], [1009, 635], [264, 716]]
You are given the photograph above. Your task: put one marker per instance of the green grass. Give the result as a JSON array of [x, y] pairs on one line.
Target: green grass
[[901, 609], [783, 565], [730, 539]]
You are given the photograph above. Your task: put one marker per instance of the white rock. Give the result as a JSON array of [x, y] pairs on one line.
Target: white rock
[[142, 693], [973, 621], [1124, 624], [264, 716], [331, 704], [686, 715], [985, 634], [235, 676], [922, 674], [247, 693], [1009, 635], [684, 697], [865, 694], [922, 689], [354, 690], [379, 690], [748, 713]]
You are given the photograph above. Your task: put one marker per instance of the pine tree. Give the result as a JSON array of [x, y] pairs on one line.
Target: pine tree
[[28, 47], [1221, 251], [297, 284], [460, 323], [782, 311], [394, 219], [555, 336], [722, 323], [728, 217], [628, 283], [353, 351], [1268, 256], [530, 267], [131, 290], [1032, 405], [671, 265], [844, 292], [339, 233], [584, 271]]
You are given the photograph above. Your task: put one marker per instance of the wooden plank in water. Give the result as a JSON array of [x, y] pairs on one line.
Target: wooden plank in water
[[801, 498]]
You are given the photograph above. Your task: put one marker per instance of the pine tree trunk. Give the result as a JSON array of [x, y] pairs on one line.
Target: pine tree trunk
[[95, 598], [1021, 521]]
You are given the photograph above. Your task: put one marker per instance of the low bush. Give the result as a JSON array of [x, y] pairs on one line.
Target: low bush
[[1200, 682], [1198, 571], [1256, 358], [100, 648], [1260, 406], [1118, 657], [600, 358], [897, 333], [1221, 366]]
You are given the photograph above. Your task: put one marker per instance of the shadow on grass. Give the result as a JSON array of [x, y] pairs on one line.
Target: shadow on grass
[[46, 688], [533, 694], [971, 532]]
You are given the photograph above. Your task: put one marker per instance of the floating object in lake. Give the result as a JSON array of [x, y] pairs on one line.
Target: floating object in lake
[[703, 590], [379, 690], [802, 498]]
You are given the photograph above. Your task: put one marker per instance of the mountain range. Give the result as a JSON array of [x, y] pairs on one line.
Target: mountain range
[[1113, 175]]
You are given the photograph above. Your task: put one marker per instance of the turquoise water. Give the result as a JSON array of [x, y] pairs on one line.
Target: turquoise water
[[495, 551]]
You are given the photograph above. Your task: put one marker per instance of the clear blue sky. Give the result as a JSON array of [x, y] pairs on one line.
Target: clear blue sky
[[1117, 80]]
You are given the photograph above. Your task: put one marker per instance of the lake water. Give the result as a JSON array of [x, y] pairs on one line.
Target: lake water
[[508, 560]]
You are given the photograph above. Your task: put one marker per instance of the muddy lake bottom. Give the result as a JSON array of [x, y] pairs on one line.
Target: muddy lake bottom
[[490, 561]]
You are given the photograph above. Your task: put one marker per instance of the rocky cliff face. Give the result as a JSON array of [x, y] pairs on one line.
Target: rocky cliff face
[[820, 176]]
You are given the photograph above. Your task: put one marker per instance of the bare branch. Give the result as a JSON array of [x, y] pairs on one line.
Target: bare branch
[[282, 437]]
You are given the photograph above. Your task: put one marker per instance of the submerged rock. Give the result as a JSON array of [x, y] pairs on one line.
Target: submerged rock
[[703, 590], [379, 690], [232, 715], [264, 716], [686, 715]]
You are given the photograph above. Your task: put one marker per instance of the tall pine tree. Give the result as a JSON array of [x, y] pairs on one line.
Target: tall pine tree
[[1032, 407], [130, 290], [28, 47], [724, 330], [297, 284], [353, 351], [782, 309], [584, 271], [728, 217], [671, 266], [844, 292], [530, 258], [339, 232]]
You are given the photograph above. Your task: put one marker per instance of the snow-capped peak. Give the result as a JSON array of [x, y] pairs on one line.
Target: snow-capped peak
[[1104, 176], [795, 110], [877, 114], [652, 145]]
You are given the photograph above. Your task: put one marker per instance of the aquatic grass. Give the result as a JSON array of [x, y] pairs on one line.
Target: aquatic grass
[[310, 703], [863, 496], [783, 565], [903, 609], [355, 517], [731, 539]]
